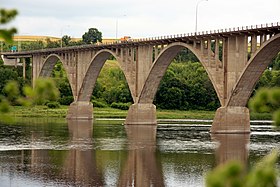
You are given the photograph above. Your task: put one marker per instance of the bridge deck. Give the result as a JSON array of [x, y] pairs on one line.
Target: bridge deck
[[264, 29]]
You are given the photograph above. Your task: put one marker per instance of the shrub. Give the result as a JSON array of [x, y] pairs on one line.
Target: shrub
[[122, 106], [98, 104], [53, 104], [66, 100], [4, 106]]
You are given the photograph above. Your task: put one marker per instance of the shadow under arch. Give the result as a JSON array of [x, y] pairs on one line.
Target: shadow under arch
[[253, 71], [48, 67], [160, 66], [93, 72]]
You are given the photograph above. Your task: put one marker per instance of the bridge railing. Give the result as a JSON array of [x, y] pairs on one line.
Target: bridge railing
[[219, 32]]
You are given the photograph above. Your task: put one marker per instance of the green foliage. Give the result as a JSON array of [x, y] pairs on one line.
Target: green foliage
[[53, 104], [111, 85], [5, 17], [32, 45], [6, 74], [99, 104], [267, 100], [66, 40], [269, 79], [52, 44], [122, 106], [66, 100], [11, 91], [4, 105], [233, 174], [264, 173], [186, 56], [43, 92], [62, 83], [276, 62], [187, 87], [64, 87], [230, 174], [92, 36]]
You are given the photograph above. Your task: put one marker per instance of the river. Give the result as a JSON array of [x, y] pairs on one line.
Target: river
[[52, 152]]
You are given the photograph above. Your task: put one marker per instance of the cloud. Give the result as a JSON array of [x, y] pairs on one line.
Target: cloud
[[143, 18]]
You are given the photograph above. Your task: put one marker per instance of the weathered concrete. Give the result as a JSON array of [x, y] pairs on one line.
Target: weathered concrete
[[80, 110], [141, 114], [231, 120], [253, 70]]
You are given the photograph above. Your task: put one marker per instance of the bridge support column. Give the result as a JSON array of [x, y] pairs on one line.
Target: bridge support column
[[231, 120], [141, 114], [80, 110]]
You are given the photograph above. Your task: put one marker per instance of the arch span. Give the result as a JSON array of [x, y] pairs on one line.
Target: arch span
[[48, 66], [160, 66], [93, 72], [253, 71]]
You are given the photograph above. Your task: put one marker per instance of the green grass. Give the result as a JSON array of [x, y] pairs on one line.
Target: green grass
[[43, 111], [38, 111], [180, 114]]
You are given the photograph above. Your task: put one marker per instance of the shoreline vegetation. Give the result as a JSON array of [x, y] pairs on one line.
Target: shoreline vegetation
[[45, 112]]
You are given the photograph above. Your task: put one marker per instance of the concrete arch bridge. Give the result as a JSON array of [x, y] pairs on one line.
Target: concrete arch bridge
[[246, 53]]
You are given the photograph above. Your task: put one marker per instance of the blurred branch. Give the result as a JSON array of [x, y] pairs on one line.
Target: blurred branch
[[5, 17]]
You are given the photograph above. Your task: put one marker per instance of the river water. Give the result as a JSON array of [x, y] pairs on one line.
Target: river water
[[46, 152]]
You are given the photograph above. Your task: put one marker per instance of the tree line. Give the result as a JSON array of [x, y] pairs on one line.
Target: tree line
[[92, 36]]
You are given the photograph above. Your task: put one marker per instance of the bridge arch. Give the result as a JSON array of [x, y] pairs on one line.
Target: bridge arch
[[160, 66], [48, 66], [93, 72], [253, 71]]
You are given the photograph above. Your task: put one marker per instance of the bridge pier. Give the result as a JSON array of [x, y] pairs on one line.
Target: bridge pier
[[80, 110], [231, 119], [141, 114]]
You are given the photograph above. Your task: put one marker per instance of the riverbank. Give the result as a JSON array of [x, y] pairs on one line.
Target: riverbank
[[43, 111]]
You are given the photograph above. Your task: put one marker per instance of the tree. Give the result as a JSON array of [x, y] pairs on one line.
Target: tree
[[186, 86], [92, 36], [52, 44], [66, 40], [6, 74], [5, 17], [276, 62]]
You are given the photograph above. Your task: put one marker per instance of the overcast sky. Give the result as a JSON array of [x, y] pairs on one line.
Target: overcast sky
[[137, 18]]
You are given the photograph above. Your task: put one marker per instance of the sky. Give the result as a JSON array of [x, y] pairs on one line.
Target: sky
[[137, 18]]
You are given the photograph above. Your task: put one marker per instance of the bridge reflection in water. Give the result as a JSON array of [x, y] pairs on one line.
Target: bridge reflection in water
[[231, 147], [80, 166], [105, 153], [142, 166]]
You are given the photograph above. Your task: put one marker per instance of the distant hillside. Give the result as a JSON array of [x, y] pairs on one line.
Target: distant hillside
[[29, 38]]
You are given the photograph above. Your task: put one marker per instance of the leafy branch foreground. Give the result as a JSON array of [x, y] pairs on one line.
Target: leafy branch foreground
[[233, 174], [5, 17]]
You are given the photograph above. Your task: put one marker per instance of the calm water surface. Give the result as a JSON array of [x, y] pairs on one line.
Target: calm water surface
[[106, 153]]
